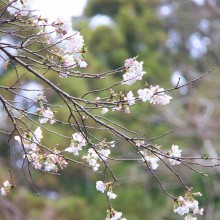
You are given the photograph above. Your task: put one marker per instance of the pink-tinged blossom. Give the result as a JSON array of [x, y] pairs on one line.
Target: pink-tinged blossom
[[130, 98], [159, 96], [175, 152], [45, 115], [117, 215], [18, 7], [74, 43], [35, 159], [104, 111], [52, 161], [3, 191], [187, 206], [62, 27], [114, 215], [100, 186], [133, 71], [69, 61], [145, 94], [155, 95]]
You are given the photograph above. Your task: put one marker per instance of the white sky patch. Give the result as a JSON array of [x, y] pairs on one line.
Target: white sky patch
[[165, 10], [199, 2], [65, 8], [99, 20], [178, 78]]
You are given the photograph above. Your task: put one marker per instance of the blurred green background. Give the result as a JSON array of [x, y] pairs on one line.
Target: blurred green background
[[174, 39]]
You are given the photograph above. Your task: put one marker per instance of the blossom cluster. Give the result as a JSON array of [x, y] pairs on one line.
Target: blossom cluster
[[176, 153], [58, 31], [30, 140], [6, 188], [46, 161], [102, 187], [154, 158], [114, 215], [188, 206], [94, 156], [19, 7], [133, 71], [45, 115], [107, 187], [77, 142], [155, 95]]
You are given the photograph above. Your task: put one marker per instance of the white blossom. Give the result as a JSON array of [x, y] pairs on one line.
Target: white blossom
[[159, 96], [152, 159], [3, 191], [104, 153], [104, 111], [49, 166], [175, 152], [188, 206], [82, 63], [100, 186], [18, 6], [111, 195], [69, 61], [134, 71], [6, 188], [145, 94], [117, 216], [130, 98], [190, 217], [74, 44]]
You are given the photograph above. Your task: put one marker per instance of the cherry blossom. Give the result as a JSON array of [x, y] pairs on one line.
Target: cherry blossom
[[155, 95], [134, 71], [187, 205], [145, 94], [175, 152], [114, 215], [69, 61], [130, 98], [6, 188], [30, 140], [45, 115], [100, 186], [74, 44], [104, 111], [159, 97], [18, 7], [111, 195], [77, 143], [152, 159]]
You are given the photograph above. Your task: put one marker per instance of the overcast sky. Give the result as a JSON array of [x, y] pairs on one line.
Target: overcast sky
[[57, 8]]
